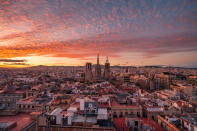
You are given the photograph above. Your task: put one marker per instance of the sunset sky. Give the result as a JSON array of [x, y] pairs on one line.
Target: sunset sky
[[72, 32]]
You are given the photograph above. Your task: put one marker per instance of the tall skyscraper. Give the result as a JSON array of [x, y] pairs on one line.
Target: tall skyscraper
[[107, 70], [88, 72], [98, 70]]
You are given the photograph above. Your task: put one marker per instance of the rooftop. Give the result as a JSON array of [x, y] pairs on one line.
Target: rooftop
[[28, 100], [116, 104], [22, 119], [120, 123], [56, 111]]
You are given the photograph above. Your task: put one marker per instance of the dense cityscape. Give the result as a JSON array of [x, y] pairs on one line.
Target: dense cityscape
[[98, 65], [98, 97]]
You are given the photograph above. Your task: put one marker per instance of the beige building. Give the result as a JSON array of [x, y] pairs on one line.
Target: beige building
[[125, 110], [8, 100]]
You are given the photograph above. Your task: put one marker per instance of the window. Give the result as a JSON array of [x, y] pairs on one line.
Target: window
[[114, 115], [136, 123], [90, 105], [121, 114], [131, 113], [138, 114], [162, 124], [153, 118]]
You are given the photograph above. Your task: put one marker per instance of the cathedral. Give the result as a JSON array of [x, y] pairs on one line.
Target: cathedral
[[97, 75]]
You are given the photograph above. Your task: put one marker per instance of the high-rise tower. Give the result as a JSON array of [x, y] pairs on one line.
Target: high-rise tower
[[88, 72], [107, 70], [98, 70]]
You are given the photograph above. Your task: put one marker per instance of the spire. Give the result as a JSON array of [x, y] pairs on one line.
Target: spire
[[107, 61], [98, 59]]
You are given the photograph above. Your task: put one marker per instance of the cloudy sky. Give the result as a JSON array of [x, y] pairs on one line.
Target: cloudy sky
[[72, 32]]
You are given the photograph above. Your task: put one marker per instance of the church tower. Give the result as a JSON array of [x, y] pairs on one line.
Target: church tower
[[88, 72], [107, 70], [98, 70]]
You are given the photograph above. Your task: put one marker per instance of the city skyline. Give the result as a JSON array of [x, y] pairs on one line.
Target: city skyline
[[71, 33]]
